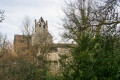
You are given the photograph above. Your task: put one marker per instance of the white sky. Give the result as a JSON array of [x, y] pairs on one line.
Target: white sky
[[16, 10]]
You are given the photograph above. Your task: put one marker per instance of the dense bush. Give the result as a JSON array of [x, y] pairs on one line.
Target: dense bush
[[96, 57], [21, 68]]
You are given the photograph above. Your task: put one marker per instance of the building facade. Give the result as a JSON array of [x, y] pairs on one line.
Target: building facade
[[41, 34], [40, 38]]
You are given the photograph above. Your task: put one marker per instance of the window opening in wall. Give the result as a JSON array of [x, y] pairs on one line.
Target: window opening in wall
[[44, 26], [39, 25]]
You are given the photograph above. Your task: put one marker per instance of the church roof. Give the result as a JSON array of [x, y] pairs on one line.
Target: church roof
[[20, 37]]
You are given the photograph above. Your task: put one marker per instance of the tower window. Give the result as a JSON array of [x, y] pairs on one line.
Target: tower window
[[44, 26], [39, 25]]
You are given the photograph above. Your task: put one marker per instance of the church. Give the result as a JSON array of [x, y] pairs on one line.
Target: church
[[40, 38], [41, 41]]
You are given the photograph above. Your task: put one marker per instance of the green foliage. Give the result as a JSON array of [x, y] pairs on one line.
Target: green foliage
[[53, 77], [95, 58], [21, 71]]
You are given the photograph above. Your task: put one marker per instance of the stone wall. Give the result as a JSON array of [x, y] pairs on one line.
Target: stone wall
[[41, 34], [53, 59]]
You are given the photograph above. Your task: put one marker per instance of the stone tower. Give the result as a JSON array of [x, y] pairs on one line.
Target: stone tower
[[41, 36]]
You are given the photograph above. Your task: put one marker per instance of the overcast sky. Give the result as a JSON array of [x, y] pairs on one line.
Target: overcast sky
[[16, 10]]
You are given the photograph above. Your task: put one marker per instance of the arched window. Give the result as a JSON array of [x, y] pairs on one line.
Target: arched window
[[39, 25], [44, 26]]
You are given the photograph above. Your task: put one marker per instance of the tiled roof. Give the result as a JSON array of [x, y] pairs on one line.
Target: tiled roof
[[20, 37]]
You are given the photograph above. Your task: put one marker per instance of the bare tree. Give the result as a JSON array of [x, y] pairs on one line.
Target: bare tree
[[107, 16], [89, 16], [2, 16], [3, 39], [3, 45], [27, 30]]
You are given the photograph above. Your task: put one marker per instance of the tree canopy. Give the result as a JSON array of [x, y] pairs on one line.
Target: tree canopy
[[93, 26]]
